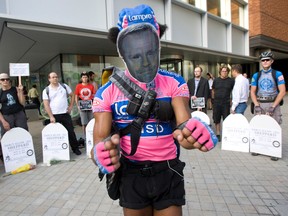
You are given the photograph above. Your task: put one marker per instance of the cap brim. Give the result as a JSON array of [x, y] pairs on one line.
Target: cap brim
[[265, 58]]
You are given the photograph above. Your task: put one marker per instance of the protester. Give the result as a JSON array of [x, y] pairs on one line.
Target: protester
[[34, 96], [92, 80], [198, 89], [221, 93], [55, 99], [268, 90], [240, 92], [210, 81], [25, 93], [12, 102], [152, 181], [84, 94]]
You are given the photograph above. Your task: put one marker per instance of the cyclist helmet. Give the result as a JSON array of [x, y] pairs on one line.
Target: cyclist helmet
[[266, 55]]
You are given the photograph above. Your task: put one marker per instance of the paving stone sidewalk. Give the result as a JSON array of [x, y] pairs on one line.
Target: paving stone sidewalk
[[217, 183]]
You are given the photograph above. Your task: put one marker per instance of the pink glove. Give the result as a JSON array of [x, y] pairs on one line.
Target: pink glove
[[102, 158], [201, 132]]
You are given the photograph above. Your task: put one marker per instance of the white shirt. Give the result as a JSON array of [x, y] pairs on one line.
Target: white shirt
[[240, 92], [57, 99], [210, 81]]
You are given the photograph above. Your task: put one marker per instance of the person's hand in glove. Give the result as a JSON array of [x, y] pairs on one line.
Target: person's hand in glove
[[270, 111], [105, 154], [258, 110], [197, 135]]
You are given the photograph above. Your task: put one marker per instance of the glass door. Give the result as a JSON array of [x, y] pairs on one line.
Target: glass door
[[172, 65]]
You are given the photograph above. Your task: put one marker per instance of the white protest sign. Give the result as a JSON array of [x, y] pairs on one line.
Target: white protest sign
[[198, 103], [265, 136], [235, 133], [201, 115], [55, 143], [19, 69], [89, 137], [17, 148]]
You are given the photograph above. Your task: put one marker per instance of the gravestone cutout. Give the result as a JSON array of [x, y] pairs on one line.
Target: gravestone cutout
[[55, 143], [265, 136], [17, 148], [235, 133], [201, 115], [89, 137]]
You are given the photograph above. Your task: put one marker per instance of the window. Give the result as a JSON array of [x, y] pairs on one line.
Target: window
[[214, 7], [192, 2], [236, 13]]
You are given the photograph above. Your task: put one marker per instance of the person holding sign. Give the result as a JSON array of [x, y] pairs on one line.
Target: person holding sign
[[199, 91], [55, 100], [152, 180], [84, 93], [12, 106]]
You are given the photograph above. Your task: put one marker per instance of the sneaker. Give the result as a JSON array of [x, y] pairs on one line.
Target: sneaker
[[274, 158], [219, 138], [254, 154], [77, 152]]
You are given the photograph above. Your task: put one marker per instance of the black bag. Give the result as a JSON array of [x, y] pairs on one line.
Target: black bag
[[113, 181], [252, 107]]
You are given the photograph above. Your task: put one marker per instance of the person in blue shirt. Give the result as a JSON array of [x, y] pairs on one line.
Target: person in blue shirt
[[266, 91]]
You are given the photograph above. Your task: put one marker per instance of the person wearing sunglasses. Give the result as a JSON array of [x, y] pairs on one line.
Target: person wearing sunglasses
[[12, 102], [268, 90]]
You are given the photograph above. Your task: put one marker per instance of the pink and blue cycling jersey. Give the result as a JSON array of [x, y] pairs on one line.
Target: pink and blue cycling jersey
[[156, 141]]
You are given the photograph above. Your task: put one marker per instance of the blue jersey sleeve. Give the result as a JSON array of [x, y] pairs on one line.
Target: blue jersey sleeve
[[280, 78], [254, 79]]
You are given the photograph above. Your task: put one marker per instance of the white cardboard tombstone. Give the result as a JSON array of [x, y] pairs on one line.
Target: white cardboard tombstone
[[89, 137], [201, 115], [235, 133], [265, 136], [18, 149], [55, 143]]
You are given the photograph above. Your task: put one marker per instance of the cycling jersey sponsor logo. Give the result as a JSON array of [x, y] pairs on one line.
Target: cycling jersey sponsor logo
[[96, 102], [142, 17], [280, 78], [151, 129]]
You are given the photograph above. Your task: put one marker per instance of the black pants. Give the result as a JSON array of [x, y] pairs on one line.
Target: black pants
[[37, 102], [66, 120]]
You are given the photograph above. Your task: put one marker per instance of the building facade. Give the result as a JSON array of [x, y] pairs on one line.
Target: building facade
[[70, 36], [269, 30]]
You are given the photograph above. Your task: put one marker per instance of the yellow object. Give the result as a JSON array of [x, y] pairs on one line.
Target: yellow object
[[23, 168], [106, 73]]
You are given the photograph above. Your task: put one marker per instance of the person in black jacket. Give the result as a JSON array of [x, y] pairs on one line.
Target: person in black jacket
[[198, 88]]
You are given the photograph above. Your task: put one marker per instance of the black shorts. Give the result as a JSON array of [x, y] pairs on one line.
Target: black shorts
[[220, 110], [154, 185]]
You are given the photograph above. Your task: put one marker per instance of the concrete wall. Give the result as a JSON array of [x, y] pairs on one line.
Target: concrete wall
[[186, 24]]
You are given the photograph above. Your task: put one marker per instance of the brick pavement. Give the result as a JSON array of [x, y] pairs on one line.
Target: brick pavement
[[217, 183]]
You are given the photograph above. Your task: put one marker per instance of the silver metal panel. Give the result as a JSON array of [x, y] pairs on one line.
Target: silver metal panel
[[72, 13], [217, 35], [186, 26], [238, 41]]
